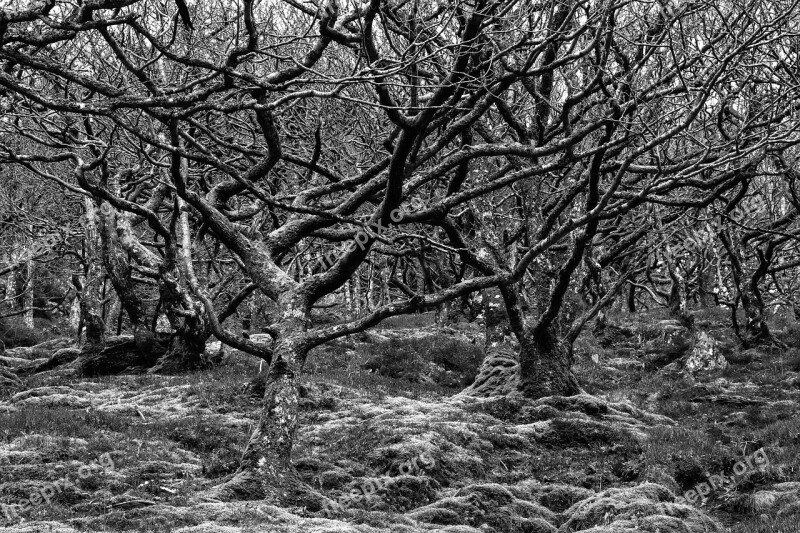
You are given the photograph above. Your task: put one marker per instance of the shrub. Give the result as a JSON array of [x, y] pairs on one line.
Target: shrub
[[410, 357], [457, 355], [790, 335], [14, 333], [793, 360], [396, 359]]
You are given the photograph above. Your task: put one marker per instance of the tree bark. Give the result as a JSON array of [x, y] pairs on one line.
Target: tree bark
[[27, 294], [705, 280], [499, 371], [11, 284], [187, 346], [756, 331], [266, 471], [186, 315], [119, 270], [632, 298], [546, 365], [74, 318], [92, 321], [678, 306]]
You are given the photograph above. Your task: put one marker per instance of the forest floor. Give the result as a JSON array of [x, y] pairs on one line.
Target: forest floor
[[140, 452]]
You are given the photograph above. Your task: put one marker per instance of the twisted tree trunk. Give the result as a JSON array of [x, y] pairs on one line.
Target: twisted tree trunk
[[266, 471], [756, 331], [187, 345], [499, 371]]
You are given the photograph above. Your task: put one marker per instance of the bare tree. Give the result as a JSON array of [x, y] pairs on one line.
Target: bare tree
[[364, 130]]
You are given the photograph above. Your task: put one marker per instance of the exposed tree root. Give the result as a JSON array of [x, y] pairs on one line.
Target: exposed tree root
[[287, 489]]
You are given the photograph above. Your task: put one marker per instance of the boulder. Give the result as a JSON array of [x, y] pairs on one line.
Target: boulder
[[704, 355]]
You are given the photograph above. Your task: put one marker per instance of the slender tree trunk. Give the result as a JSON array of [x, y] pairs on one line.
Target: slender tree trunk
[[11, 285], [93, 323], [74, 318], [756, 331], [705, 277], [442, 315], [678, 306], [632, 298], [27, 295], [593, 289], [348, 298], [118, 268], [187, 316]]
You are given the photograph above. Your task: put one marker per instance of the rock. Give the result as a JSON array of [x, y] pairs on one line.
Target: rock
[[704, 355]]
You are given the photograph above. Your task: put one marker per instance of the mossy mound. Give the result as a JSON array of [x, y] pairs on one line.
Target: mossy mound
[[488, 505], [643, 508]]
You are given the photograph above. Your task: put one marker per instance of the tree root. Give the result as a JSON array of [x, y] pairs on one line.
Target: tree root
[[289, 491]]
